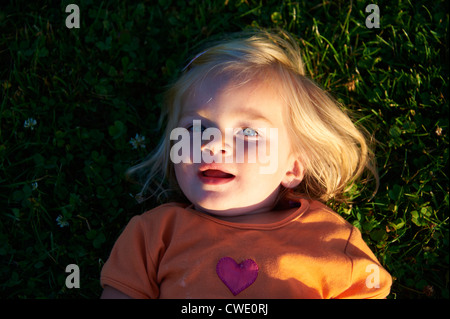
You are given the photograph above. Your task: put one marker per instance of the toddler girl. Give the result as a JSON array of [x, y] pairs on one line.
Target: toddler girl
[[253, 147]]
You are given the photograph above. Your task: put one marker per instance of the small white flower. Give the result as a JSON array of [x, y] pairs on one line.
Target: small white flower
[[137, 141], [34, 186], [61, 221], [30, 123]]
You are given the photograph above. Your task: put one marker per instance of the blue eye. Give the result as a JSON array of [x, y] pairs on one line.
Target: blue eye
[[249, 132]]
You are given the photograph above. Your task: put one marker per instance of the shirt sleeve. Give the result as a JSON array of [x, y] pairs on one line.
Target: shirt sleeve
[[130, 268], [368, 280]]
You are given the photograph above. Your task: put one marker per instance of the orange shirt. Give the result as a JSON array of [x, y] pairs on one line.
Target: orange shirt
[[173, 251]]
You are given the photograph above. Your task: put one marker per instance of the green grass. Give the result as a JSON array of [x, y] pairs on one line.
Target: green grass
[[91, 90]]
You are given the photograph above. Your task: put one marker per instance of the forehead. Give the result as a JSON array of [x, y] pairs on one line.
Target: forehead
[[219, 95]]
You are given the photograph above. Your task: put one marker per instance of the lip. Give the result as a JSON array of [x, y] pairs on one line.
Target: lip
[[215, 166], [216, 172]]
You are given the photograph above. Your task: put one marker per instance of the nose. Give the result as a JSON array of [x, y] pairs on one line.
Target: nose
[[218, 145]]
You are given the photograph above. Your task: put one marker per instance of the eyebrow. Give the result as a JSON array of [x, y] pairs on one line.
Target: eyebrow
[[245, 115], [254, 115]]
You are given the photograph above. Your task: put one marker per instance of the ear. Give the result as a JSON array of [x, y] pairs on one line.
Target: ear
[[294, 175]]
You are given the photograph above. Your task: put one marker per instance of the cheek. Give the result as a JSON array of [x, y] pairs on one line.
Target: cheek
[[178, 174], [284, 149], [258, 177], [182, 174], [260, 152]]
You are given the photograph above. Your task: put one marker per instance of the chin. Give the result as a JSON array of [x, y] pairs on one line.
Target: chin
[[226, 207], [214, 206], [218, 207]]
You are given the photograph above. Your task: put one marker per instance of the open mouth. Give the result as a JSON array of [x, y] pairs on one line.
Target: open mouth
[[215, 176], [216, 173]]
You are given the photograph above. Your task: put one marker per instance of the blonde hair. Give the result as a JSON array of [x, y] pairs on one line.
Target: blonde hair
[[333, 151]]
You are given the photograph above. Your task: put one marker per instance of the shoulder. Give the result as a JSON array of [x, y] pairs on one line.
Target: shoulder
[[327, 226], [320, 213], [163, 219], [152, 229], [163, 212]]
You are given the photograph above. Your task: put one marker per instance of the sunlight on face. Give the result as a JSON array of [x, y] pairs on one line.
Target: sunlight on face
[[245, 113]]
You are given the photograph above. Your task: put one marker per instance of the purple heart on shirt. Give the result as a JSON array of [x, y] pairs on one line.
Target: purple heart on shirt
[[237, 277]]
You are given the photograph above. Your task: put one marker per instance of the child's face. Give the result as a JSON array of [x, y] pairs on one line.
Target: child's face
[[233, 188]]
